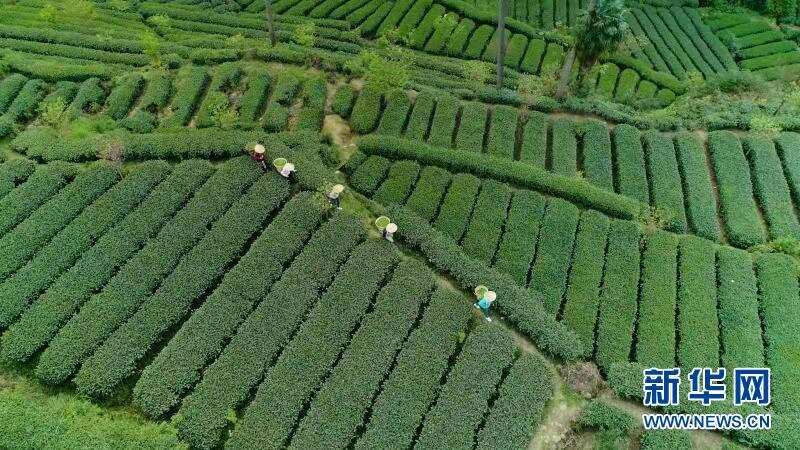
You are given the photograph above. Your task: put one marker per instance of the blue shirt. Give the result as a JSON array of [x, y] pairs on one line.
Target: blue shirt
[[484, 303]]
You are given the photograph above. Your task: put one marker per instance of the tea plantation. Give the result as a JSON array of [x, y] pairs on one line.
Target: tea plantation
[[632, 208]]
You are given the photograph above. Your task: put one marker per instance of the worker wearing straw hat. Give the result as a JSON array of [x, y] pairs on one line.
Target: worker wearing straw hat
[[485, 302], [334, 195], [259, 156], [287, 170], [284, 167], [389, 231]]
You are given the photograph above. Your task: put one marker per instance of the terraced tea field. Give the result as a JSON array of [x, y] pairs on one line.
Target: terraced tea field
[[215, 281], [632, 294]]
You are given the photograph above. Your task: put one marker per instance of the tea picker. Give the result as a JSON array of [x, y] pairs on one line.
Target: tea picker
[[334, 195], [259, 156], [485, 299], [386, 227], [284, 167]]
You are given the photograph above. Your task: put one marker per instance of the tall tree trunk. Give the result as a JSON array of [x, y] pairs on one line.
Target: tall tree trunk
[[566, 73], [273, 39], [569, 61], [501, 41]]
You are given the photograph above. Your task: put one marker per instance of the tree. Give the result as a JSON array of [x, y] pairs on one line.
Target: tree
[[273, 39], [151, 46], [781, 8], [305, 34], [790, 97], [501, 41], [390, 69], [601, 30]]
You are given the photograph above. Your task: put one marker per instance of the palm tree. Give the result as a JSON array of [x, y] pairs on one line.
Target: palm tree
[[601, 30]]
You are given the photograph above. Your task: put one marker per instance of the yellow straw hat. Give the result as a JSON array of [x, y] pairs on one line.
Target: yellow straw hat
[[259, 149]]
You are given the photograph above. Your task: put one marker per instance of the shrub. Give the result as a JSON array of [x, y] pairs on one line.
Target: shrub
[[228, 380], [518, 244], [596, 148], [502, 132], [787, 143], [549, 271], [478, 41], [618, 295], [276, 117], [370, 174], [741, 221], [701, 204], [310, 355], [51, 112], [343, 101], [524, 308], [518, 409], [398, 184], [697, 304], [21, 202], [505, 171], [202, 336], [629, 158], [472, 127], [533, 56], [65, 247], [771, 188], [457, 205], [423, 31], [253, 99], [119, 355], [366, 111], [29, 236], [428, 192], [412, 387], [458, 411], [420, 118], [367, 361], [655, 346], [665, 179], [564, 157], [313, 112], [740, 325], [96, 266], [88, 98], [444, 121], [777, 282], [189, 86], [24, 105], [666, 439], [485, 226], [442, 32], [304, 34], [102, 313], [604, 416], [583, 288], [534, 139], [126, 89], [393, 120]]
